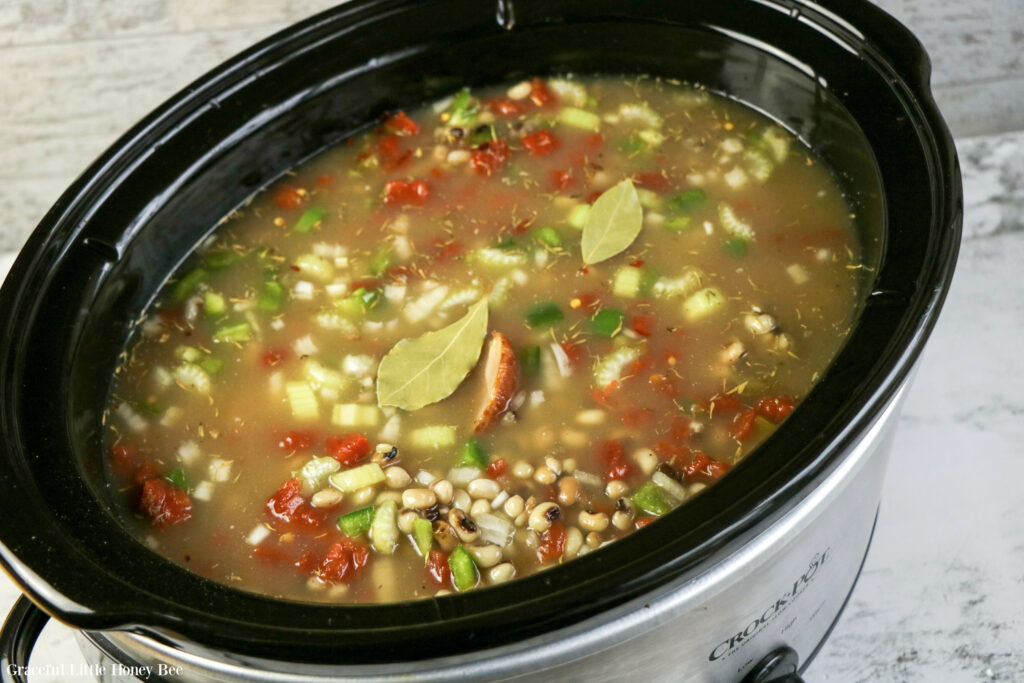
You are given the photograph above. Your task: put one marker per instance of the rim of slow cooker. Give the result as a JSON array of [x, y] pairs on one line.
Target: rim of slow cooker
[[731, 510]]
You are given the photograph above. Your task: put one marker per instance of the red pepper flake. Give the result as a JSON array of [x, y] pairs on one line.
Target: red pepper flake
[[344, 559], [406, 192], [489, 157], [643, 324], [541, 143], [400, 124], [642, 522], [288, 505], [325, 180], [742, 425], [573, 351], [560, 180], [287, 197], [522, 226], [503, 106], [637, 263], [272, 357], [348, 449], [775, 408], [614, 457], [496, 468], [552, 542], [296, 441], [164, 503], [540, 95], [437, 568], [393, 157], [653, 181]]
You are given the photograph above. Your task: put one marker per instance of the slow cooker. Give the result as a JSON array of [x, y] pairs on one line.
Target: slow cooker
[[743, 583]]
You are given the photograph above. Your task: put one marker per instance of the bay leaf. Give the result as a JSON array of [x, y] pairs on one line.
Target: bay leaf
[[423, 370], [613, 223]]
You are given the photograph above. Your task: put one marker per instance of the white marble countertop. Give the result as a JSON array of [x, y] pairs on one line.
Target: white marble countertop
[[941, 597]]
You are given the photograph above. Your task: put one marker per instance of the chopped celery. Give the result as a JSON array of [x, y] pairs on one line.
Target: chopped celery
[[177, 478], [609, 368], [463, 110], [474, 455], [580, 118], [464, 572], [735, 246], [315, 267], [543, 314], [433, 436], [380, 262], [325, 376], [302, 400], [221, 259], [355, 415], [314, 474], [759, 164], [357, 522], [191, 376], [578, 216], [627, 282], [572, 92], [687, 201], [549, 237], [384, 528], [239, 332], [641, 113], [357, 478], [189, 354], [607, 322], [423, 535], [308, 220], [648, 198], [732, 224], [184, 287], [683, 285], [777, 142], [703, 303], [652, 137], [214, 304], [272, 297], [651, 499], [678, 223], [529, 360], [496, 256], [500, 291], [212, 364]]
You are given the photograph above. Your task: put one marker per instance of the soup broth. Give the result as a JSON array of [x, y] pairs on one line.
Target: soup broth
[[484, 338]]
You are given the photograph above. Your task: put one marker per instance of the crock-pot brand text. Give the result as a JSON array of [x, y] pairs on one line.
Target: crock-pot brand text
[[755, 625]]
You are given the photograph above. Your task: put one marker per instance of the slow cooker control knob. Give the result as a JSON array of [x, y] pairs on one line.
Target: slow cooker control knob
[[778, 666]]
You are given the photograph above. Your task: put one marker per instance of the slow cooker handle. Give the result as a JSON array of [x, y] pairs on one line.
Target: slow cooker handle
[[778, 666], [17, 638]]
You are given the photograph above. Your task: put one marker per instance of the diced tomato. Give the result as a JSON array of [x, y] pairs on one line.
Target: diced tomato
[[573, 351], [288, 505], [637, 417], [652, 180], [643, 324], [552, 542], [614, 457], [164, 503], [775, 408], [724, 404], [603, 397], [437, 173], [296, 441], [592, 197], [594, 140], [496, 468], [742, 425], [447, 249], [124, 458], [348, 449], [680, 431], [406, 192], [560, 179], [437, 568], [541, 143], [588, 301], [503, 106], [637, 263], [344, 559], [287, 197], [663, 384], [489, 157], [698, 465], [522, 226], [668, 450], [392, 156], [642, 522], [145, 472], [640, 365], [400, 124], [367, 283], [540, 94], [272, 357], [325, 180], [717, 468]]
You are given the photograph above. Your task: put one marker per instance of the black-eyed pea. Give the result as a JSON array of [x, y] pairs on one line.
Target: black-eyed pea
[[616, 488], [646, 459], [445, 536], [553, 464], [514, 506], [484, 488], [465, 527], [406, 519], [542, 516], [502, 572], [385, 496], [593, 539], [396, 477], [479, 507], [544, 475], [569, 465], [622, 520], [327, 498], [573, 542], [485, 556], [461, 500], [522, 469], [418, 499], [363, 496], [522, 518], [568, 490], [444, 491], [593, 521]]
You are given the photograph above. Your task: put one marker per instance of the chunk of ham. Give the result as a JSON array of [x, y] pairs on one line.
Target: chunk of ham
[[501, 379]]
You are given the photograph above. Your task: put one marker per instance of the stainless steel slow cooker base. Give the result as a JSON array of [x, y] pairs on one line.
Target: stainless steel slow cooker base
[[785, 588]]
